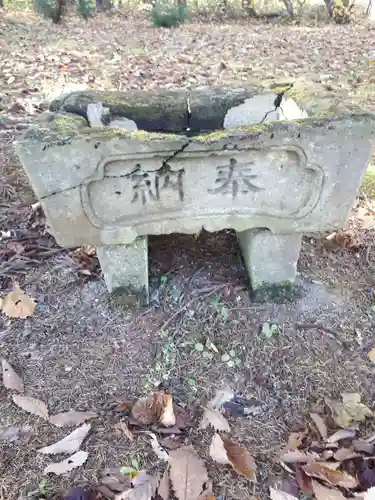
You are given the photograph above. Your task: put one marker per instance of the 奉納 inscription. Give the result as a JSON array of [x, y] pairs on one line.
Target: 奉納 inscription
[[147, 186], [235, 178]]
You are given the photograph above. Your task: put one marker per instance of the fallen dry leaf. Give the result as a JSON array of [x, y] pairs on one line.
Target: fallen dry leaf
[[71, 417], [11, 380], [333, 477], [350, 411], [17, 304], [155, 408], [68, 444], [214, 418], [68, 464], [240, 459], [160, 452], [320, 424], [222, 396], [124, 429], [295, 440], [31, 405], [225, 451], [168, 417], [303, 481], [322, 492], [218, 451], [125, 405], [297, 457], [341, 434], [344, 454], [280, 495], [164, 488], [371, 355], [187, 473]]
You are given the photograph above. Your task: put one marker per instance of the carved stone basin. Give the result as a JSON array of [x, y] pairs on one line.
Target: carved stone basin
[[179, 161]]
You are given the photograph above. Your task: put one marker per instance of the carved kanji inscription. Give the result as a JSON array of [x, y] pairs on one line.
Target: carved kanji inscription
[[235, 178], [147, 186]]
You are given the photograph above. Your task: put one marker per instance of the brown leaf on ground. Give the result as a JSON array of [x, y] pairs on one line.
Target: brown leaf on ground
[[303, 481], [297, 457], [341, 434], [371, 355], [215, 419], [322, 492], [320, 424], [125, 406], [280, 495], [68, 464], [188, 473], [11, 380], [295, 440], [344, 454], [225, 451], [68, 444], [240, 459], [31, 405], [154, 409], [17, 304], [164, 487], [350, 411], [71, 417], [124, 429], [333, 477]]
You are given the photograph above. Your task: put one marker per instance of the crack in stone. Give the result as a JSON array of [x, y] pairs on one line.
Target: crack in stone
[[277, 102]]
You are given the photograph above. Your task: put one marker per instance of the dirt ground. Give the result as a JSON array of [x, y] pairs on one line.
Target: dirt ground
[[81, 350]]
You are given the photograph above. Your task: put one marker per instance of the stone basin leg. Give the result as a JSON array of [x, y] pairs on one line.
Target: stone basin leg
[[270, 259], [125, 269]]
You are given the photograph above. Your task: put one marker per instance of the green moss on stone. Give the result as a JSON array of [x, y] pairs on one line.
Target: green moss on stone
[[285, 291], [66, 122]]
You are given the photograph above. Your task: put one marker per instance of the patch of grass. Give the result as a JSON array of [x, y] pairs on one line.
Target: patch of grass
[[168, 16]]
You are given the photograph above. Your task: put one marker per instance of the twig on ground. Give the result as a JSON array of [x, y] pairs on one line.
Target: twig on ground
[[205, 295], [327, 330]]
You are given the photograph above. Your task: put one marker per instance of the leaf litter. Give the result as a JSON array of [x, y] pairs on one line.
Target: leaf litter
[[68, 444], [68, 464], [11, 379], [339, 464], [31, 405], [17, 304], [71, 418]]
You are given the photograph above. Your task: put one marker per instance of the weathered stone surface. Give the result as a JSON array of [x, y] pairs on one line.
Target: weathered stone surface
[[270, 258], [297, 176], [152, 111], [123, 123], [125, 268], [107, 186]]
